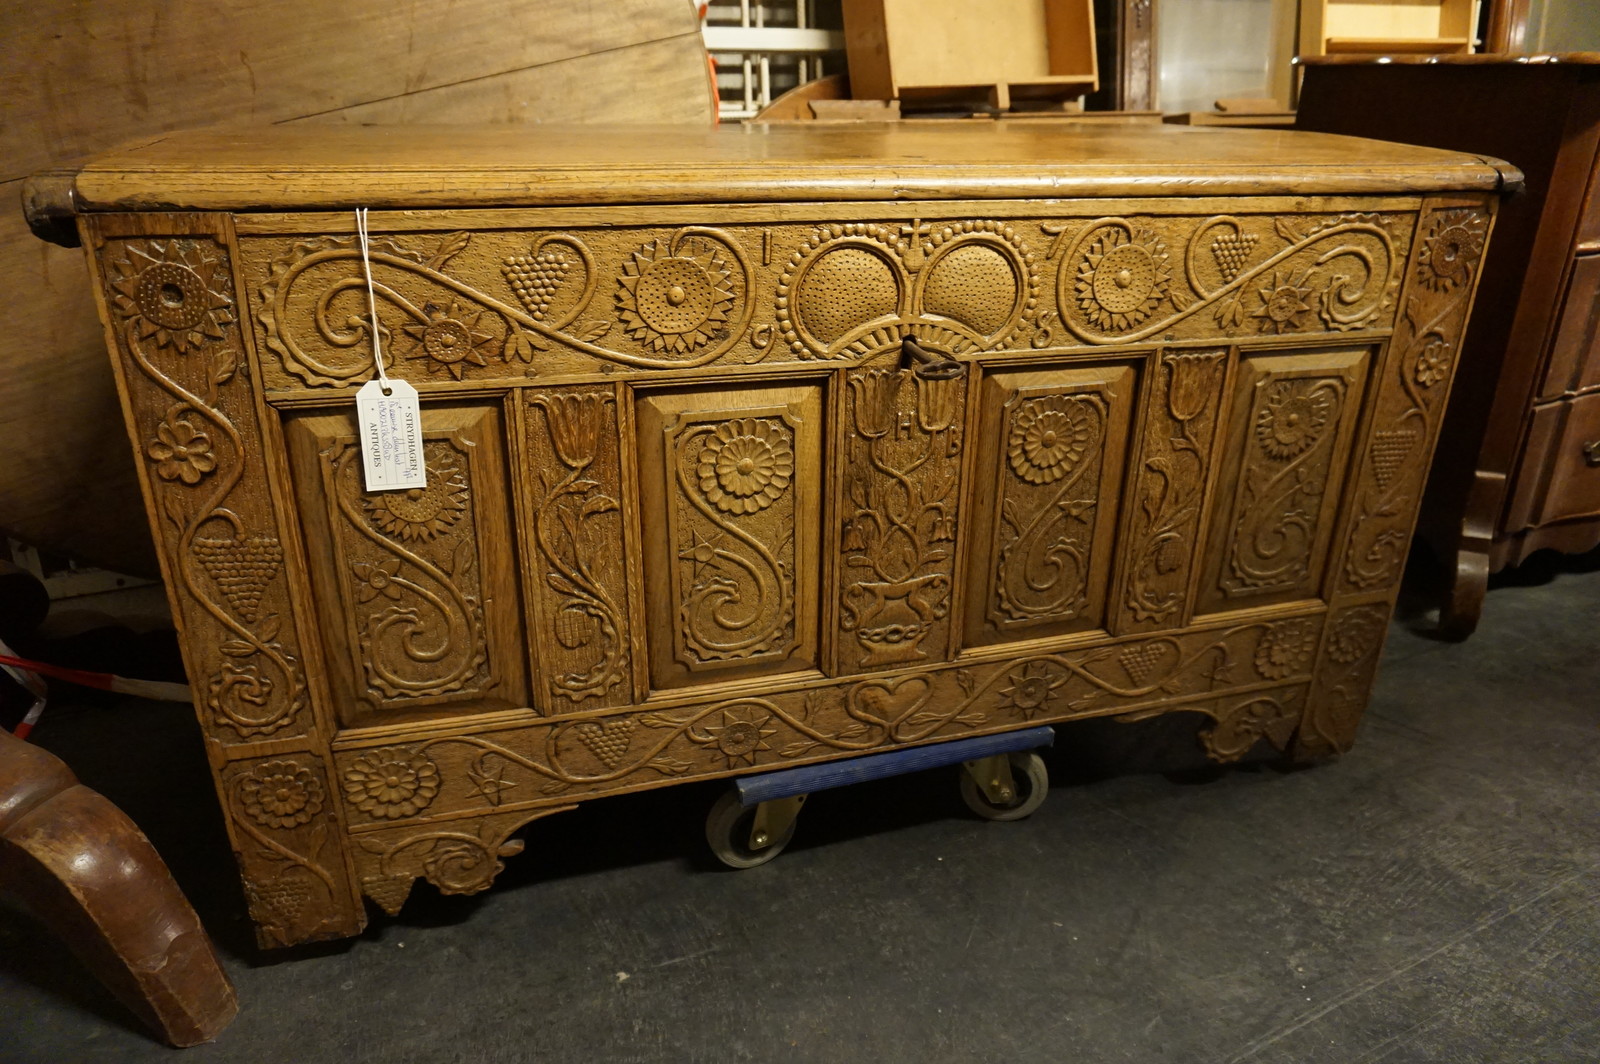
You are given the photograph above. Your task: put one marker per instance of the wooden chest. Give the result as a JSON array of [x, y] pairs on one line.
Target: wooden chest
[[696, 507]]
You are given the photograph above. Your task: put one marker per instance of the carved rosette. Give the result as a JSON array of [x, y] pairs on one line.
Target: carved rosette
[[903, 467]]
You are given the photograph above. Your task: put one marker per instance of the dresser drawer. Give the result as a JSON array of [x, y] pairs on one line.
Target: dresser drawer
[[1574, 359], [1565, 439]]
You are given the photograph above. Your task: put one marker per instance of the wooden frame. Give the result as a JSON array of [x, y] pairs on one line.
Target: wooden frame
[[1009, 51], [1376, 27]]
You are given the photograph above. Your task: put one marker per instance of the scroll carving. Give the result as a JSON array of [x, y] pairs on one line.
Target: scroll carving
[[464, 859], [732, 526], [1282, 483], [1178, 438], [1124, 280], [173, 303], [683, 299], [415, 604], [903, 465], [577, 526], [557, 761], [1049, 496]]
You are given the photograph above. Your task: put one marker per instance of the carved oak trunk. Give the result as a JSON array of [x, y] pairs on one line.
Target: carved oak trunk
[[688, 514]]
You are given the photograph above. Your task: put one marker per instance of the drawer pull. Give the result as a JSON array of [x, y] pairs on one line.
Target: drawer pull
[[1591, 452], [929, 365]]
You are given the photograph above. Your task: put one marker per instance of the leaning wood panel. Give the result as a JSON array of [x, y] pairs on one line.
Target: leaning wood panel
[[187, 63]]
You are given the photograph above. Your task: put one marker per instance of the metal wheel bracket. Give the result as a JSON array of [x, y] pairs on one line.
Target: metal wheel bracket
[[993, 777], [773, 820]]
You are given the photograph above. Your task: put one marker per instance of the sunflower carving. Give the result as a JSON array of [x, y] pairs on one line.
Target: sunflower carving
[[1291, 421], [422, 513], [741, 735], [449, 338], [1122, 278], [1283, 302], [746, 465], [175, 292], [672, 301], [1453, 244], [1049, 437]]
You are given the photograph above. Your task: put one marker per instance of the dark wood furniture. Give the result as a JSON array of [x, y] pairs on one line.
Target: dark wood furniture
[[758, 447], [80, 865], [1518, 465]]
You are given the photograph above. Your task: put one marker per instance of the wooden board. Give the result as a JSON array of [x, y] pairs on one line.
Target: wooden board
[[80, 78]]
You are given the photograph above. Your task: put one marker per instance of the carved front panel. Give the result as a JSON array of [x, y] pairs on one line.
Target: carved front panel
[[417, 588], [731, 504], [576, 576], [1289, 442], [506, 304], [1049, 476], [902, 455], [1179, 433]]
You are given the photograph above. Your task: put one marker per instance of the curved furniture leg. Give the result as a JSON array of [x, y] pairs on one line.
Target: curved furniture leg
[[80, 865], [1463, 601]]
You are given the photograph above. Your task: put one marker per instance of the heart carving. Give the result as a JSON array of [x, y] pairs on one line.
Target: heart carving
[[886, 703]]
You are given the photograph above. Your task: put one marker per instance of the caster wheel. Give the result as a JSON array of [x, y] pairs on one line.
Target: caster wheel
[[728, 832], [1032, 781]]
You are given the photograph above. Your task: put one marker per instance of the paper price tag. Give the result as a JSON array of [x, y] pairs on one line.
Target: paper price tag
[[391, 436]]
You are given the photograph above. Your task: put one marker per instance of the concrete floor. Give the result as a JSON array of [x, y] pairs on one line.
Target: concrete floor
[[1433, 896]]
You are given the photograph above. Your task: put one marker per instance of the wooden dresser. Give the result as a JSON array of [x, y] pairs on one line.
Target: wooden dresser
[[755, 448], [1518, 466]]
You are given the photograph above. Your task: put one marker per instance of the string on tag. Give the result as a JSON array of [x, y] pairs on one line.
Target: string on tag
[[372, 299]]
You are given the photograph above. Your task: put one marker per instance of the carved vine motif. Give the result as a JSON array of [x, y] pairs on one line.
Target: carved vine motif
[[677, 300], [1048, 497], [275, 807], [576, 526], [174, 301], [593, 756], [854, 290], [1115, 283], [1177, 450], [904, 448], [409, 557], [1282, 482], [460, 860], [1422, 355], [735, 586]]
